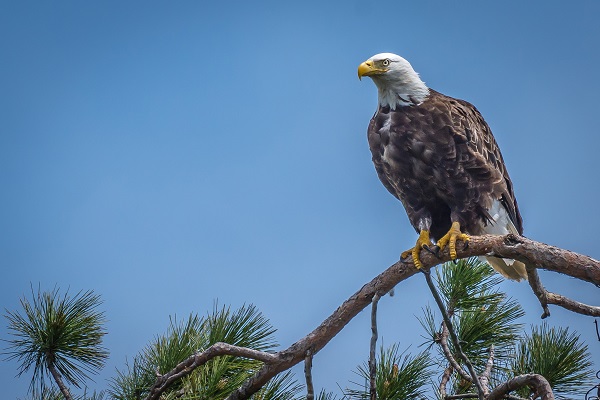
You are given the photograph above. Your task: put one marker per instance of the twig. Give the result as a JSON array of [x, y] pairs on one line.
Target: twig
[[461, 396], [452, 332], [310, 391], [372, 360], [448, 354], [572, 305], [474, 396], [536, 285]]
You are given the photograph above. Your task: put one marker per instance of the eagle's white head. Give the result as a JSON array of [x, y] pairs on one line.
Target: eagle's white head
[[397, 82]]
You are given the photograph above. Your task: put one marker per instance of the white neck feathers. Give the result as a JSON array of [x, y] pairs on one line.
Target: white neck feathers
[[400, 85]]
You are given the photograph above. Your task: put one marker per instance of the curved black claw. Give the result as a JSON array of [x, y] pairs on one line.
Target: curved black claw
[[435, 251], [466, 246], [426, 247]]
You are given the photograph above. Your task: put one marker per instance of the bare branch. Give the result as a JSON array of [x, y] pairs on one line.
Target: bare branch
[[310, 391], [462, 396], [372, 360], [537, 382], [572, 305], [536, 285], [443, 340]]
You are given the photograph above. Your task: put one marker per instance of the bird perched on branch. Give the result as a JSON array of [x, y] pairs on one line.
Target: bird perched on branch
[[438, 156]]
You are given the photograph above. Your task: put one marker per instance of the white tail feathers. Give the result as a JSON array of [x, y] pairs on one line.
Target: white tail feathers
[[510, 269], [502, 225]]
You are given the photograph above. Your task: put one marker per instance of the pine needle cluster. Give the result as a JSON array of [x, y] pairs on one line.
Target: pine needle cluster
[[57, 333], [244, 327]]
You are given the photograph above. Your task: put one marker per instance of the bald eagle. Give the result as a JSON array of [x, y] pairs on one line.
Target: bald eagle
[[438, 156]]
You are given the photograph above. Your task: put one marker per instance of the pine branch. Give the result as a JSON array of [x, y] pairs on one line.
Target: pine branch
[[510, 246]]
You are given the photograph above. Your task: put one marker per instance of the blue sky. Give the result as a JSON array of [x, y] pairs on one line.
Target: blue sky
[[166, 155]]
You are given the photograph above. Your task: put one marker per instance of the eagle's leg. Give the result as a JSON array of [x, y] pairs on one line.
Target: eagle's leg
[[423, 242], [450, 238]]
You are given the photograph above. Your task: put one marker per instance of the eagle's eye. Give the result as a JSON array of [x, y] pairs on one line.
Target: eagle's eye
[[385, 62]]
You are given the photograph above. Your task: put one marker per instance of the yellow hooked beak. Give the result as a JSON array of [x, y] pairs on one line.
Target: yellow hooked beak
[[368, 68]]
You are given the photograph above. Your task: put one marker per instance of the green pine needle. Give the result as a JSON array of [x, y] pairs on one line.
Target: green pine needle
[[244, 327], [559, 356], [65, 332], [398, 376]]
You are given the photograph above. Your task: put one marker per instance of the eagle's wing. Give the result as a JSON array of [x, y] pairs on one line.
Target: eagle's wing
[[375, 140], [485, 164], [483, 159]]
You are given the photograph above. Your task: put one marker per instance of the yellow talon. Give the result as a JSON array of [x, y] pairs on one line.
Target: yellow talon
[[451, 237], [422, 242]]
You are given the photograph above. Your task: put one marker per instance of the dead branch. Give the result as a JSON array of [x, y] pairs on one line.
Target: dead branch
[[510, 246], [572, 305], [535, 283], [310, 391], [443, 340], [537, 382], [372, 359]]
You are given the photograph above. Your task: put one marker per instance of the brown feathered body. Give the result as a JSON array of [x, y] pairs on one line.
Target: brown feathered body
[[440, 157]]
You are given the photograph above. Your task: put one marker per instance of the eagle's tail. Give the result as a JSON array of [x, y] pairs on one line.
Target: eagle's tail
[[510, 269], [502, 225]]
